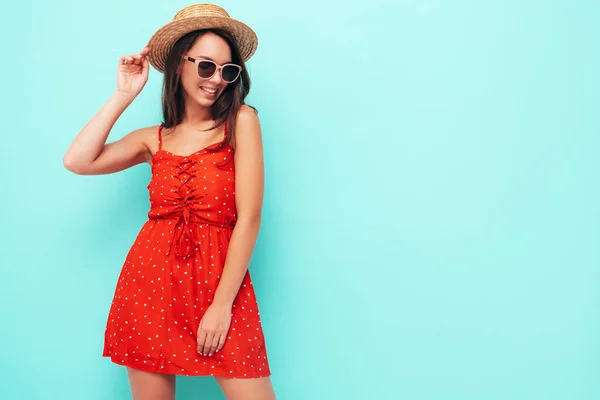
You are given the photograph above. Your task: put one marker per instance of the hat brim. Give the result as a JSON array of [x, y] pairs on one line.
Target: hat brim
[[163, 39]]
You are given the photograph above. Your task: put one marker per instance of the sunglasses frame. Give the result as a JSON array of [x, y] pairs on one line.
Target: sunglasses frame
[[218, 67]]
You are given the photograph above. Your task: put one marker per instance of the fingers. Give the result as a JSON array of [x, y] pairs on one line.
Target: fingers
[[145, 65], [125, 60], [207, 344], [210, 343], [201, 340], [221, 342], [136, 59], [214, 344]]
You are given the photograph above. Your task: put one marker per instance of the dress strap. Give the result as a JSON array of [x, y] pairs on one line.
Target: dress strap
[[225, 131], [160, 137]]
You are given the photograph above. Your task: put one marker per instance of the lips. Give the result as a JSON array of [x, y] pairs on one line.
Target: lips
[[209, 90]]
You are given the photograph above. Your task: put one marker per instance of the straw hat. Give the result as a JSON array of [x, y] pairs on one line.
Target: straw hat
[[194, 17]]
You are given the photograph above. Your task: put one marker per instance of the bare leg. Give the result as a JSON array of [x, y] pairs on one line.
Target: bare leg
[[151, 386], [246, 389]]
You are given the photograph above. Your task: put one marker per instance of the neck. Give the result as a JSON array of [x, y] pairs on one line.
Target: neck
[[196, 117]]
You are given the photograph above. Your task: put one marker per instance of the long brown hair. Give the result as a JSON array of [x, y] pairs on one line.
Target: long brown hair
[[225, 109]]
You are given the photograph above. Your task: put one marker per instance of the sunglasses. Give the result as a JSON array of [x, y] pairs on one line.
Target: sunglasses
[[207, 69]]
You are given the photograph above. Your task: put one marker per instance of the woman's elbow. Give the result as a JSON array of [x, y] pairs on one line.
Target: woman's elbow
[[70, 165], [250, 220]]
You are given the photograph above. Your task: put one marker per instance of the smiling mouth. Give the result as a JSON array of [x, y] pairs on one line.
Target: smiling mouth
[[208, 90]]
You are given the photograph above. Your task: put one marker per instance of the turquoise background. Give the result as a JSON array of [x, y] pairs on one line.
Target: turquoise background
[[432, 213]]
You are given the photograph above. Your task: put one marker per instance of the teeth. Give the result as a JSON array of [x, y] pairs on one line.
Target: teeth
[[208, 90]]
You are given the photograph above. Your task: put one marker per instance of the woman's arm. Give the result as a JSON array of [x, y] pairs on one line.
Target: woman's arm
[[89, 154], [248, 158], [249, 184]]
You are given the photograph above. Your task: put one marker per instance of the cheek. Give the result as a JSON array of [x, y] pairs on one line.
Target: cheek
[[224, 87], [189, 83]]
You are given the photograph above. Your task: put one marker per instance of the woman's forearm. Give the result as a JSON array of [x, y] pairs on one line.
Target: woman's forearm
[[239, 253]]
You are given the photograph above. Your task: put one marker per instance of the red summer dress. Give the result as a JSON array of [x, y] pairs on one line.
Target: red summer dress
[[172, 270]]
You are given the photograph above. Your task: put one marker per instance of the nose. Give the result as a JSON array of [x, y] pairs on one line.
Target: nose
[[216, 78]]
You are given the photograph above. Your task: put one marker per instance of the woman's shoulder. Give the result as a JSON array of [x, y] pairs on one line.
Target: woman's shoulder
[[247, 127], [247, 115], [146, 136]]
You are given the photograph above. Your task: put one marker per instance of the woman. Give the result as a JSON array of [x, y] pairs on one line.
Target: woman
[[184, 302]]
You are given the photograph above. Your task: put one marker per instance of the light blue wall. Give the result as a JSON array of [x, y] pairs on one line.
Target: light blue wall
[[432, 213]]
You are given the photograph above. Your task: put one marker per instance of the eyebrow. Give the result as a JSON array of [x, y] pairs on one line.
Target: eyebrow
[[208, 58]]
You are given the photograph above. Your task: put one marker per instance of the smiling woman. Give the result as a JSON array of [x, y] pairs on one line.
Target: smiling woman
[[212, 57], [184, 303]]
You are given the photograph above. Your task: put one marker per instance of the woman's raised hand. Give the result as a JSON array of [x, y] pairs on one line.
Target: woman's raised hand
[[132, 73]]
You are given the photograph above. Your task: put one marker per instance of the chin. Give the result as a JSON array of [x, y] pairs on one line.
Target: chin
[[204, 102]]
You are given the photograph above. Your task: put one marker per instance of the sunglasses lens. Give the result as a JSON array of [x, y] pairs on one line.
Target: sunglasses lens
[[206, 69], [230, 73]]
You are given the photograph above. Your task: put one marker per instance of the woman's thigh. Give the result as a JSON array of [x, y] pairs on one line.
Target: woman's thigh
[[151, 386], [246, 388]]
